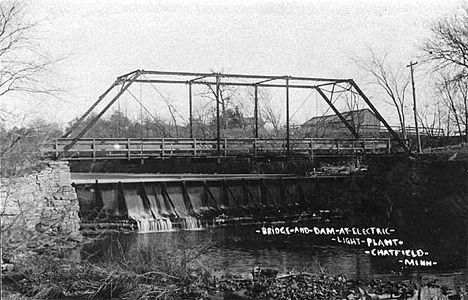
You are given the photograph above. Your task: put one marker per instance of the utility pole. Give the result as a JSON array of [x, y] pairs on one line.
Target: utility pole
[[414, 107]]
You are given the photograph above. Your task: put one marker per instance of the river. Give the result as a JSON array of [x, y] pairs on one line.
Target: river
[[236, 251]]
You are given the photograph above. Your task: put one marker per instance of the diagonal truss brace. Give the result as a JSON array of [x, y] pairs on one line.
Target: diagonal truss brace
[[379, 116], [356, 135], [126, 84]]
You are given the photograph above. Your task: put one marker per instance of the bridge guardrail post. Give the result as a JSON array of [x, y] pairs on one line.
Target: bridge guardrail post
[[194, 147], [94, 148], [255, 147], [311, 152], [162, 147], [56, 148], [388, 146], [225, 147], [128, 149], [141, 148]]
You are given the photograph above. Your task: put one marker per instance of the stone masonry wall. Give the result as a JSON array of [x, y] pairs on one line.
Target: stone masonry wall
[[44, 201]]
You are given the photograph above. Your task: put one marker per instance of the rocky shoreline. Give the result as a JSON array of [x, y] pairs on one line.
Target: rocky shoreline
[[45, 276]]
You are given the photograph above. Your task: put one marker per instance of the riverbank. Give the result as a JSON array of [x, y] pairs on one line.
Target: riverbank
[[46, 277]]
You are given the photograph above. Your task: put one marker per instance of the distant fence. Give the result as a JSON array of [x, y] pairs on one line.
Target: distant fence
[[368, 131], [428, 131]]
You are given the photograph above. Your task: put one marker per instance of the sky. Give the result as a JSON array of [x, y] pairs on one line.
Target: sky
[[96, 41]]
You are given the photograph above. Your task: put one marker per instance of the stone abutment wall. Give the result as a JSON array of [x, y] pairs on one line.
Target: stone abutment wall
[[43, 201]]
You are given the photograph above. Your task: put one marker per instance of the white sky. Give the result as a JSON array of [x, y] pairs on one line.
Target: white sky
[[101, 40]]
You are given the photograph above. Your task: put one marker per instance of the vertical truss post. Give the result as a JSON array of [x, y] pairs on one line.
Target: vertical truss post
[[350, 128], [190, 110], [256, 110], [218, 121], [287, 117], [379, 116]]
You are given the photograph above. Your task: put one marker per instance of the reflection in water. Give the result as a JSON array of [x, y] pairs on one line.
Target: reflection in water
[[238, 250], [235, 251]]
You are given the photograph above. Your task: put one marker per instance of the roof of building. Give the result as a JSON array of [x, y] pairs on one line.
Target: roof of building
[[251, 121], [348, 115]]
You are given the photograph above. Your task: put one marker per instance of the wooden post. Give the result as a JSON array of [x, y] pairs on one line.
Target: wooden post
[[194, 147], [255, 147], [141, 148], [162, 147], [98, 202], [94, 148], [56, 148], [225, 147], [128, 149], [311, 147]]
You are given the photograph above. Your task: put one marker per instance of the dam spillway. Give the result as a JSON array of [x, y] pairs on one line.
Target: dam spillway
[[162, 202]]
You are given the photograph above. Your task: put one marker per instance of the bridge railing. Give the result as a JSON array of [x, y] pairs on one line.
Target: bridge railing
[[118, 148]]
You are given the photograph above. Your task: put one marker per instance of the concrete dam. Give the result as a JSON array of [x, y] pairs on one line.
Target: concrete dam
[[148, 202]]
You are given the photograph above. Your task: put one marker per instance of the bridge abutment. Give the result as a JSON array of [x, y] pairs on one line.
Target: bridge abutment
[[42, 201]]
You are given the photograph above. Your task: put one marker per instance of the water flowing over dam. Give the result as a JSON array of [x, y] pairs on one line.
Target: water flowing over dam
[[167, 202]]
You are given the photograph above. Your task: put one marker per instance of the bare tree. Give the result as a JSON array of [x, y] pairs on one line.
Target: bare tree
[[23, 66], [447, 49], [20, 147], [448, 45], [270, 112], [226, 96], [393, 81], [430, 117], [23, 63], [453, 94]]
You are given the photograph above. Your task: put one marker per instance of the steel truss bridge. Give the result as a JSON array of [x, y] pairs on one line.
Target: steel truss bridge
[[75, 146]]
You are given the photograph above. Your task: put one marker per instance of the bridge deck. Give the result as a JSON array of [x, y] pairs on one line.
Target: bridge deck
[[117, 148]]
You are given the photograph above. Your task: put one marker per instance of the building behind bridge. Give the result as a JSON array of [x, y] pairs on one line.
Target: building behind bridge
[[364, 122]]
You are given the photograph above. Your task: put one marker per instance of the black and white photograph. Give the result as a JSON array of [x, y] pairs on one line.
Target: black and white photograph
[[215, 149]]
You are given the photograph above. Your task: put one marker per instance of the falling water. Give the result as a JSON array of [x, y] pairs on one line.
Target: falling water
[[146, 219], [152, 208], [168, 206]]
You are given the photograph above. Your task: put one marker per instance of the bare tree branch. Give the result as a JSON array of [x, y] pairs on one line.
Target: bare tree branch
[[22, 65], [394, 82]]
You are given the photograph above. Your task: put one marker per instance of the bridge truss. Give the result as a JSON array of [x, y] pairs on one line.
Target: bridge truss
[[326, 88]]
